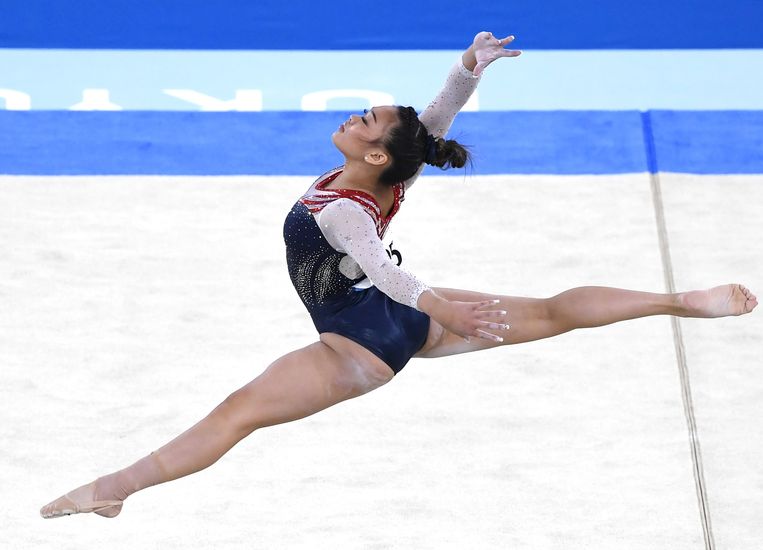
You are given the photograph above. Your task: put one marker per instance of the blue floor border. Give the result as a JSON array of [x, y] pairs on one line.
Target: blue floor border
[[649, 147], [298, 143]]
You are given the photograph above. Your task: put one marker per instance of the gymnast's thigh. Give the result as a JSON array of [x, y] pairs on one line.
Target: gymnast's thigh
[[528, 318]]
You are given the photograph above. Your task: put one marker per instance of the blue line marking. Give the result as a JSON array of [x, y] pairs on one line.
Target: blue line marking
[[298, 143], [710, 142]]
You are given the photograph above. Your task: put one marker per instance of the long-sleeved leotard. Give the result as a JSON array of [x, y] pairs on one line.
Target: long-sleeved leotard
[[347, 219], [334, 241]]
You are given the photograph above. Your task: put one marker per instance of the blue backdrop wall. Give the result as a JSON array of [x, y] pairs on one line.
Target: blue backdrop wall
[[388, 24]]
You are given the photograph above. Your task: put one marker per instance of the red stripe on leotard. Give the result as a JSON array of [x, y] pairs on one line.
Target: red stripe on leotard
[[318, 197]]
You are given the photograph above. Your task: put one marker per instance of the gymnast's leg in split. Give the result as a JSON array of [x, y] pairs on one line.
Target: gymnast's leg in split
[[335, 369], [297, 385], [584, 307]]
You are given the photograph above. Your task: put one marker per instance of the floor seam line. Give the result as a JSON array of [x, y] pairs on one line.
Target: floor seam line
[[678, 340]]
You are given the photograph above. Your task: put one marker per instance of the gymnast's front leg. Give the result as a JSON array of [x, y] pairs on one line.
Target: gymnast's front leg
[[528, 319], [297, 385]]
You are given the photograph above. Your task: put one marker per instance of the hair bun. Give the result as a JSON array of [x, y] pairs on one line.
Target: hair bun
[[409, 145], [449, 154]]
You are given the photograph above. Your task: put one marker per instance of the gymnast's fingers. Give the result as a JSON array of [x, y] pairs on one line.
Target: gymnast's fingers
[[503, 42], [495, 326], [487, 336], [486, 303], [495, 313]]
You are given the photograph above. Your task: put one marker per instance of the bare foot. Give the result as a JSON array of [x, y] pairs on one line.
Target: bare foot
[[720, 301], [82, 500]]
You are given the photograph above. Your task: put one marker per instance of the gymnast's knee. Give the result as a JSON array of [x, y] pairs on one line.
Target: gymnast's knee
[[237, 412], [551, 312], [545, 309]]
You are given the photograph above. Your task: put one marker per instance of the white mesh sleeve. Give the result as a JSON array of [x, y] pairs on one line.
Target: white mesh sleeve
[[441, 112], [351, 230]]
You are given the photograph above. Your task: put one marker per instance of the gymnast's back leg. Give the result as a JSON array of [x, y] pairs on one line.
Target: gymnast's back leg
[[297, 385], [584, 307]]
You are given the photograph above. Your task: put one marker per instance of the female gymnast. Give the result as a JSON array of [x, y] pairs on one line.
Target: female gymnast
[[372, 316]]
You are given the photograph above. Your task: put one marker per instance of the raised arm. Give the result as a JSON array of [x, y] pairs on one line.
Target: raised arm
[[458, 88], [461, 83]]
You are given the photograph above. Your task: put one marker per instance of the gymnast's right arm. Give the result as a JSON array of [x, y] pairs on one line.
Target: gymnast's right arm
[[349, 229]]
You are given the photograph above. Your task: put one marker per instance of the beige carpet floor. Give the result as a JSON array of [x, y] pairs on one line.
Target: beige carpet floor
[[129, 307]]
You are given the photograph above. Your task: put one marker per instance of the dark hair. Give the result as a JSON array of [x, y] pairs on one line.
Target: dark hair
[[407, 144]]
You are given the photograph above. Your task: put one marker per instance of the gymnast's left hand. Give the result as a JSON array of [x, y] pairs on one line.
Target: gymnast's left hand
[[487, 48]]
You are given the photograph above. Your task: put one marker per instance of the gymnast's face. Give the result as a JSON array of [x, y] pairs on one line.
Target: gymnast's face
[[363, 135]]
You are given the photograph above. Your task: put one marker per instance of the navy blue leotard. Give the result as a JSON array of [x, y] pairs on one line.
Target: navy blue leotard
[[391, 330]]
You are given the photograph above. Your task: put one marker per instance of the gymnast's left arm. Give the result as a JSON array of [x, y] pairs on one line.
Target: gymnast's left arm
[[462, 81], [460, 84]]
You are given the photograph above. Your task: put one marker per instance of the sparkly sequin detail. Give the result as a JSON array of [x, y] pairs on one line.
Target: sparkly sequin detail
[[441, 112], [349, 229], [313, 264]]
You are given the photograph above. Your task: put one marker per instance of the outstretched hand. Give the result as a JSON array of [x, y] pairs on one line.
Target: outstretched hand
[[488, 48]]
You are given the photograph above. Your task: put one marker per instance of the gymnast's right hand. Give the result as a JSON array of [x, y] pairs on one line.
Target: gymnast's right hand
[[466, 319]]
